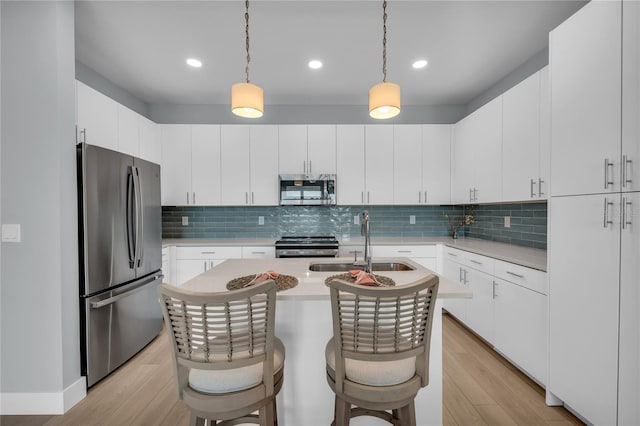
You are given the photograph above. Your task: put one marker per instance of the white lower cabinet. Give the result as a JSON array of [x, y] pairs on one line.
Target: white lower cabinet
[[259, 252], [424, 255], [508, 308], [192, 261]]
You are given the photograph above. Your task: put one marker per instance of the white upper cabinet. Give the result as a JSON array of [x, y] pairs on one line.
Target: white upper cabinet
[[321, 149], [544, 151], [586, 101], [205, 164], [264, 165], [307, 149], [176, 164], [436, 163], [150, 147], [97, 117], [350, 159], [378, 164], [521, 140], [235, 178], [407, 168], [463, 160], [128, 131], [630, 162]]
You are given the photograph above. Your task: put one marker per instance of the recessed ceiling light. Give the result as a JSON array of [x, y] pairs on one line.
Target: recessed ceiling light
[[315, 64], [194, 63], [420, 64]]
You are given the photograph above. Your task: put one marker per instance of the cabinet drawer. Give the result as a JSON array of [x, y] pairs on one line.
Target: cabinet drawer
[[454, 255], [481, 263], [404, 251], [266, 252], [208, 252], [526, 277], [351, 251]]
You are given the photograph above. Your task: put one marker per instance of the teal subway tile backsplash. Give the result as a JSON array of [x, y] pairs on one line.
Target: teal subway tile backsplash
[[528, 222]]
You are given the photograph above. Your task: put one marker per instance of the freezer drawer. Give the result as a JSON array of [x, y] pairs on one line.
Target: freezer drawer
[[118, 324]]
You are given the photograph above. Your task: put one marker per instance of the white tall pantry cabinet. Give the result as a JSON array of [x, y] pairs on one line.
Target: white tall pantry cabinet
[[594, 226]]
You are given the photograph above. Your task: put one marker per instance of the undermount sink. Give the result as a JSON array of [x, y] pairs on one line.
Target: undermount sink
[[347, 266]]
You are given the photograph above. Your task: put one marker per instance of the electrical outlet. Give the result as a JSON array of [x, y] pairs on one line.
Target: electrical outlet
[[11, 233], [185, 220], [356, 220], [412, 219], [260, 220], [507, 221]]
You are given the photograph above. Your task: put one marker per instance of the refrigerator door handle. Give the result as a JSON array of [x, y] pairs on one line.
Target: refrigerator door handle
[[140, 287], [129, 217], [139, 218]]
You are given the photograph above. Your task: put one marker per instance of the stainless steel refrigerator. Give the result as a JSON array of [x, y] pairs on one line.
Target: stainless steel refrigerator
[[120, 257]]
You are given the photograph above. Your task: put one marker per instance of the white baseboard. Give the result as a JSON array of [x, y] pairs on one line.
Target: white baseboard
[[50, 403]]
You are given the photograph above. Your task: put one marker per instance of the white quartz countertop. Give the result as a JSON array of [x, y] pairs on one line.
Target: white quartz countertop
[[524, 256], [310, 284]]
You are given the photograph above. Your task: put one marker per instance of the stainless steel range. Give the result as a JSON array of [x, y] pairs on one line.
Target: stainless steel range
[[307, 246]]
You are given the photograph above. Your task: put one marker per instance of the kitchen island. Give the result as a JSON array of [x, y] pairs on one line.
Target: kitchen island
[[303, 323]]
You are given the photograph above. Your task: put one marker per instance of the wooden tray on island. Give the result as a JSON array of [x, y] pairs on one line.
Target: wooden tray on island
[[382, 281], [283, 282]]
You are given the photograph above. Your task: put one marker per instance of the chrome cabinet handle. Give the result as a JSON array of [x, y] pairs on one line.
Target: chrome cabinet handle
[[304, 166], [252, 198], [626, 217], [475, 261], [194, 197], [460, 277], [515, 275], [607, 164], [246, 198], [405, 251], [187, 197], [625, 172], [540, 182], [465, 277], [368, 197], [208, 252], [419, 197], [607, 203], [362, 197], [533, 182], [310, 167], [494, 289], [257, 252], [470, 196], [425, 197], [204, 266], [452, 254]]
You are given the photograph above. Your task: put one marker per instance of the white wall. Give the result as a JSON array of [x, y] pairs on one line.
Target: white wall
[[39, 294]]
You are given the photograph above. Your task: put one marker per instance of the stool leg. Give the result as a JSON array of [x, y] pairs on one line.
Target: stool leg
[[407, 414], [343, 412]]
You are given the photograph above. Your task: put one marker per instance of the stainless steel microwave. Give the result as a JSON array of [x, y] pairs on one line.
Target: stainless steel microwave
[[307, 190]]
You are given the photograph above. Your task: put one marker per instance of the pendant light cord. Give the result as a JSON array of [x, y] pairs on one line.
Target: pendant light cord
[[246, 18], [384, 41]]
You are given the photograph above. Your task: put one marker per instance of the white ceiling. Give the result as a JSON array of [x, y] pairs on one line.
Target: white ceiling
[[142, 46]]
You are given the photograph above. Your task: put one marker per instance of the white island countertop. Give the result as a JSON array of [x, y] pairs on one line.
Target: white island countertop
[[310, 284]]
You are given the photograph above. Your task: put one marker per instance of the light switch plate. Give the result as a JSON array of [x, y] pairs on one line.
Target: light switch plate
[[412, 219], [11, 233], [185, 220], [507, 221], [260, 220]]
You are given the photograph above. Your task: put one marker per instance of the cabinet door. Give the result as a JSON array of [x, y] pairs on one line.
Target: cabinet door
[[292, 149], [205, 164], [583, 304], [520, 140], [379, 164], [350, 164], [264, 165], [321, 149], [629, 373], [128, 131], [189, 268], [488, 152], [463, 160], [585, 58], [234, 165], [631, 96], [97, 117], [479, 315], [407, 164], [520, 327], [456, 307], [150, 148], [436, 163], [544, 148], [176, 164]]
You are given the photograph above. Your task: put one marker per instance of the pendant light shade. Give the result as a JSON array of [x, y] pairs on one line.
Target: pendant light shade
[[247, 100], [384, 100]]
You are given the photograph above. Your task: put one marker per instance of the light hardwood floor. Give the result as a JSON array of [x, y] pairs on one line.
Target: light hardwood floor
[[480, 388]]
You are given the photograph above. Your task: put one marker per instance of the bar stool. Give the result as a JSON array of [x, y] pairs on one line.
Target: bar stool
[[227, 361], [378, 358]]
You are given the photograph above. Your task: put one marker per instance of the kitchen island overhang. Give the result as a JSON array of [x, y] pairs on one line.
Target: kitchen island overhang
[[303, 323]]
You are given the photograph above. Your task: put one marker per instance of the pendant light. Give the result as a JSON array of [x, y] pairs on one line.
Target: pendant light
[[247, 99], [384, 98]]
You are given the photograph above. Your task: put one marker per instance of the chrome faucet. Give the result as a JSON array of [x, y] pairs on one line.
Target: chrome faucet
[[364, 231]]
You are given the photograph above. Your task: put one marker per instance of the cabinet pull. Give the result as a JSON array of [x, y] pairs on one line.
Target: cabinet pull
[[304, 166], [405, 251], [475, 194], [204, 266], [362, 197], [208, 252], [257, 252], [194, 197], [310, 167], [252, 198], [460, 277], [494, 289], [540, 182], [470, 196], [533, 182], [425, 197], [626, 217], [187, 197], [452, 254], [419, 197], [625, 172], [368, 197], [607, 203], [515, 275], [607, 164], [475, 261], [465, 277], [246, 198]]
